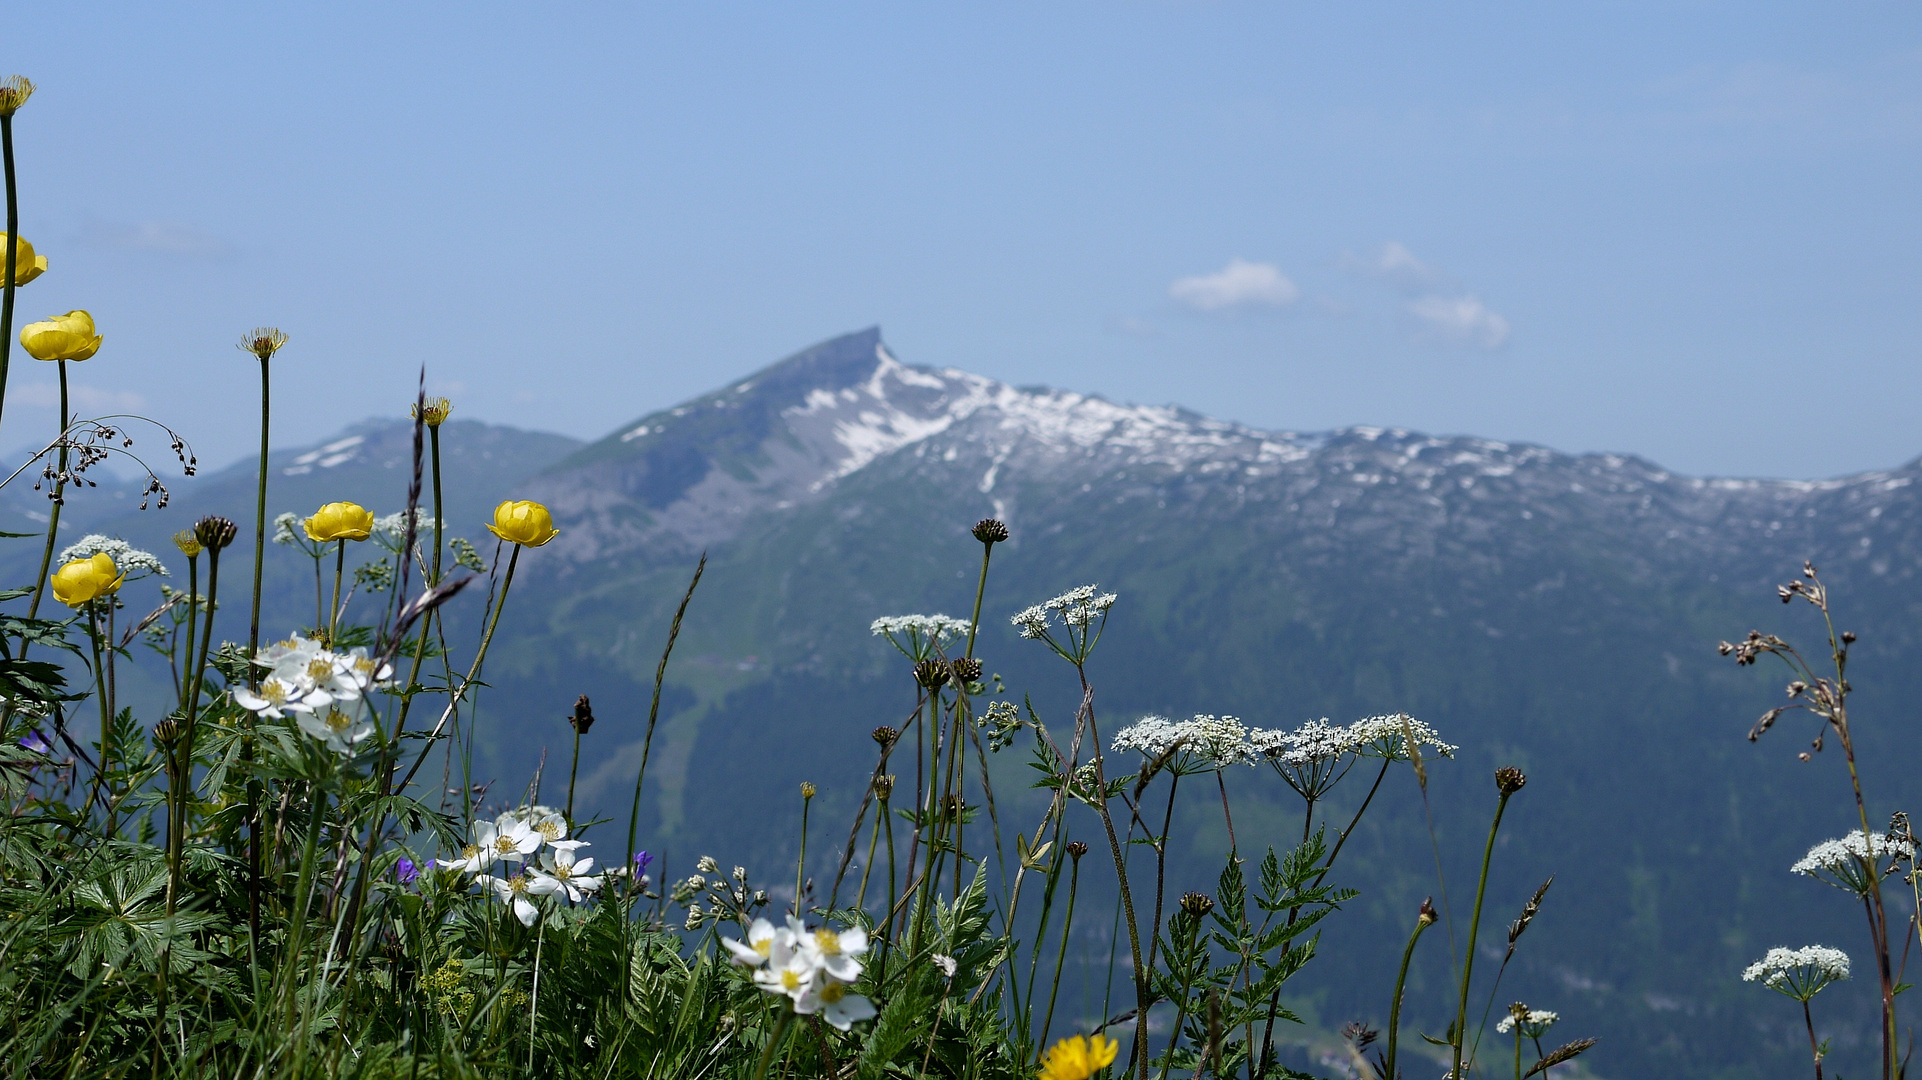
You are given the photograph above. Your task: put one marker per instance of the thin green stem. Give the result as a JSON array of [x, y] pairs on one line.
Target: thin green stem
[[253, 673], [774, 1040], [1474, 929], [13, 240], [573, 770], [980, 590], [333, 611], [1422, 922], [1061, 959], [106, 716], [494, 621], [800, 864], [59, 499]]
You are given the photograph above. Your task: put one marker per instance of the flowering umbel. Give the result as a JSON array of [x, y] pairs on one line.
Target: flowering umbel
[[63, 337], [85, 580], [26, 264], [525, 523], [14, 92], [263, 341]]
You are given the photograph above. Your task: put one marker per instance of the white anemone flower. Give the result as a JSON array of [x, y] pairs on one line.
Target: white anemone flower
[[363, 670], [763, 940], [277, 697], [837, 953], [340, 731], [562, 873], [513, 892], [835, 1005], [550, 823], [794, 977], [510, 838], [475, 858], [320, 671]]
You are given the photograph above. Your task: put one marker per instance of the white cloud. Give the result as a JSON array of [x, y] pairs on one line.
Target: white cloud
[[84, 399], [1239, 284], [1461, 318]]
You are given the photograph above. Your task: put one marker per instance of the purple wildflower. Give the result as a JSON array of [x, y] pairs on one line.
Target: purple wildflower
[[642, 860], [406, 871], [37, 743]]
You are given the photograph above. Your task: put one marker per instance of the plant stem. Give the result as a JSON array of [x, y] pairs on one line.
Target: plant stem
[[13, 240], [1067, 927], [774, 1040], [1474, 928], [980, 588], [800, 864], [1815, 1051], [573, 770], [59, 499], [333, 611], [500, 603], [1401, 980], [106, 717], [253, 674]]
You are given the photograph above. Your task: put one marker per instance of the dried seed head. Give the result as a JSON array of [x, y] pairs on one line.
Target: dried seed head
[[583, 717], [1848, 637], [1197, 904], [1076, 849], [166, 731], [1509, 780], [931, 674], [263, 341], [884, 786], [884, 735], [989, 531], [14, 92], [966, 670], [214, 532]]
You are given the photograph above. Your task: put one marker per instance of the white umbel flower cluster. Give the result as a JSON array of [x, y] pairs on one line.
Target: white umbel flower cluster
[[918, 636], [514, 837], [1318, 741], [130, 560], [811, 968], [1799, 973], [1078, 609], [1206, 742], [1534, 1024], [1852, 862], [313, 682]]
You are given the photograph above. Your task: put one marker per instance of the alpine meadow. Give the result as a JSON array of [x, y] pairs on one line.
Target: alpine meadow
[[865, 719]]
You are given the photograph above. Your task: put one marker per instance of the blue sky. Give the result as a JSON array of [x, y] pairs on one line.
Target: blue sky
[[1684, 230]]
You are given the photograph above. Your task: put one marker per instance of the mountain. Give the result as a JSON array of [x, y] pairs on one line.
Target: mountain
[[1550, 611]]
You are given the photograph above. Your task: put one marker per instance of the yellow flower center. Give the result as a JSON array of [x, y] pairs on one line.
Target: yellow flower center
[[365, 666], [828, 941], [470, 851], [551, 829], [338, 722], [832, 992], [518, 883], [274, 691], [320, 670], [504, 844], [790, 980]]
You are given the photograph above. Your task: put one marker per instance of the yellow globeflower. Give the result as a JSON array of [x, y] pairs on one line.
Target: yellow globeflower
[[525, 523], [26, 265], [86, 579], [340, 521], [63, 337], [1077, 1057]]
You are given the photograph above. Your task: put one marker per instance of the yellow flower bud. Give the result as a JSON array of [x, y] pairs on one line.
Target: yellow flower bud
[[26, 265], [83, 580], [63, 337], [525, 523], [188, 543], [340, 521], [433, 412]]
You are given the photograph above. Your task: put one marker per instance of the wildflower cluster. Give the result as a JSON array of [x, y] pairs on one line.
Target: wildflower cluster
[[1083, 612], [729, 899], [1850, 862], [311, 681], [811, 968], [1201, 743], [1799, 973], [920, 637], [130, 560], [1534, 1023], [514, 837]]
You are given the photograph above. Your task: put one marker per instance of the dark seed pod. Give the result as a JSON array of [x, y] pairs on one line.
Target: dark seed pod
[[1509, 780], [214, 532], [1197, 904], [990, 531], [931, 673], [884, 735], [166, 731], [967, 669], [583, 717], [1076, 849]]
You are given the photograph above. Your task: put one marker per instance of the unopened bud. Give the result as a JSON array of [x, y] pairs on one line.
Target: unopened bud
[[807, 790], [884, 735], [583, 717], [1848, 637], [1076, 849], [884, 786], [1427, 916], [931, 674], [214, 532], [166, 731], [966, 670]]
